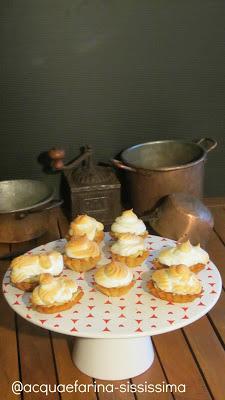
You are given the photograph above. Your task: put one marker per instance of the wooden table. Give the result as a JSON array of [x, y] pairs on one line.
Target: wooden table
[[193, 356]]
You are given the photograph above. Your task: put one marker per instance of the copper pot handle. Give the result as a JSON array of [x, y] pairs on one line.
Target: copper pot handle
[[46, 207], [208, 144], [120, 165]]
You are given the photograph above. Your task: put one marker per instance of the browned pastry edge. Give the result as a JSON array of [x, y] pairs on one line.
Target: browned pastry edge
[[129, 260], [116, 235], [62, 307], [194, 268], [116, 291], [99, 236], [28, 286], [82, 264], [169, 296]]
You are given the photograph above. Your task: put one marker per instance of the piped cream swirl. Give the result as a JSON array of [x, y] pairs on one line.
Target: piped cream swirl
[[113, 275], [183, 253], [128, 244], [128, 222]]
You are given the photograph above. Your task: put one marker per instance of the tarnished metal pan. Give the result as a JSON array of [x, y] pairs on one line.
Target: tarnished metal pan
[[24, 207], [23, 194]]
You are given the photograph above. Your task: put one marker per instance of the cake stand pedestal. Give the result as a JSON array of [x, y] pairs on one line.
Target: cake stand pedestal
[[113, 335], [113, 359]]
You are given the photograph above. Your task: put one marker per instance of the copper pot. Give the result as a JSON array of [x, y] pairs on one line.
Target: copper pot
[[156, 169]]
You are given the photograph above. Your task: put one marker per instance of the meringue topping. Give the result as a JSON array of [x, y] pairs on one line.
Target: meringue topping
[[128, 244], [113, 275], [30, 266], [183, 253], [52, 290], [177, 279], [128, 222], [85, 225], [81, 247]]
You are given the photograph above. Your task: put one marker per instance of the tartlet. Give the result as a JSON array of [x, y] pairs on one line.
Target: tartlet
[[26, 269], [81, 254], [177, 284], [114, 279], [194, 257], [85, 225], [55, 294], [128, 222], [129, 249]]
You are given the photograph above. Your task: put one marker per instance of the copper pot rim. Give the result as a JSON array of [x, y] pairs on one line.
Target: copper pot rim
[[131, 167]]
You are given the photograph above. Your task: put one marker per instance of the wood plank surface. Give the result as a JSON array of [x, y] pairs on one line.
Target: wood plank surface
[[179, 366], [214, 201], [9, 363], [209, 354], [219, 221], [155, 376], [217, 317]]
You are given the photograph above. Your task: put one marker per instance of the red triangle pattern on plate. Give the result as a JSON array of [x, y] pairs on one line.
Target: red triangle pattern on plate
[[120, 309]]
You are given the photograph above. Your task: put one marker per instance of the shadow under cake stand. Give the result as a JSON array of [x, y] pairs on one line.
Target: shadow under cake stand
[[113, 335]]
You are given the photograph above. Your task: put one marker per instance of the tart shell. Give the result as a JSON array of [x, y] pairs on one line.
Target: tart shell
[[116, 235], [116, 291], [168, 296], [82, 264], [61, 307], [131, 261], [194, 268], [27, 286], [99, 236]]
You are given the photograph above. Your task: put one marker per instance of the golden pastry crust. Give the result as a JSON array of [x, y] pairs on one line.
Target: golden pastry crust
[[115, 291], [99, 237], [131, 261], [116, 235], [82, 264], [168, 296], [194, 268], [27, 286], [59, 307]]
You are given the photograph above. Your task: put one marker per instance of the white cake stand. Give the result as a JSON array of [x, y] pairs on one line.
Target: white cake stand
[[113, 335]]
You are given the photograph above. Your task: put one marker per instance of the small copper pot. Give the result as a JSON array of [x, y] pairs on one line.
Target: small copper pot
[[182, 216], [156, 169]]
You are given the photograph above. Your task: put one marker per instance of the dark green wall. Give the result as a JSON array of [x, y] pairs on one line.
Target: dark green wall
[[111, 74]]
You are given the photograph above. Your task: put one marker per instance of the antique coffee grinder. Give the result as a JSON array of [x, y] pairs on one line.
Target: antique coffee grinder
[[93, 189]]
